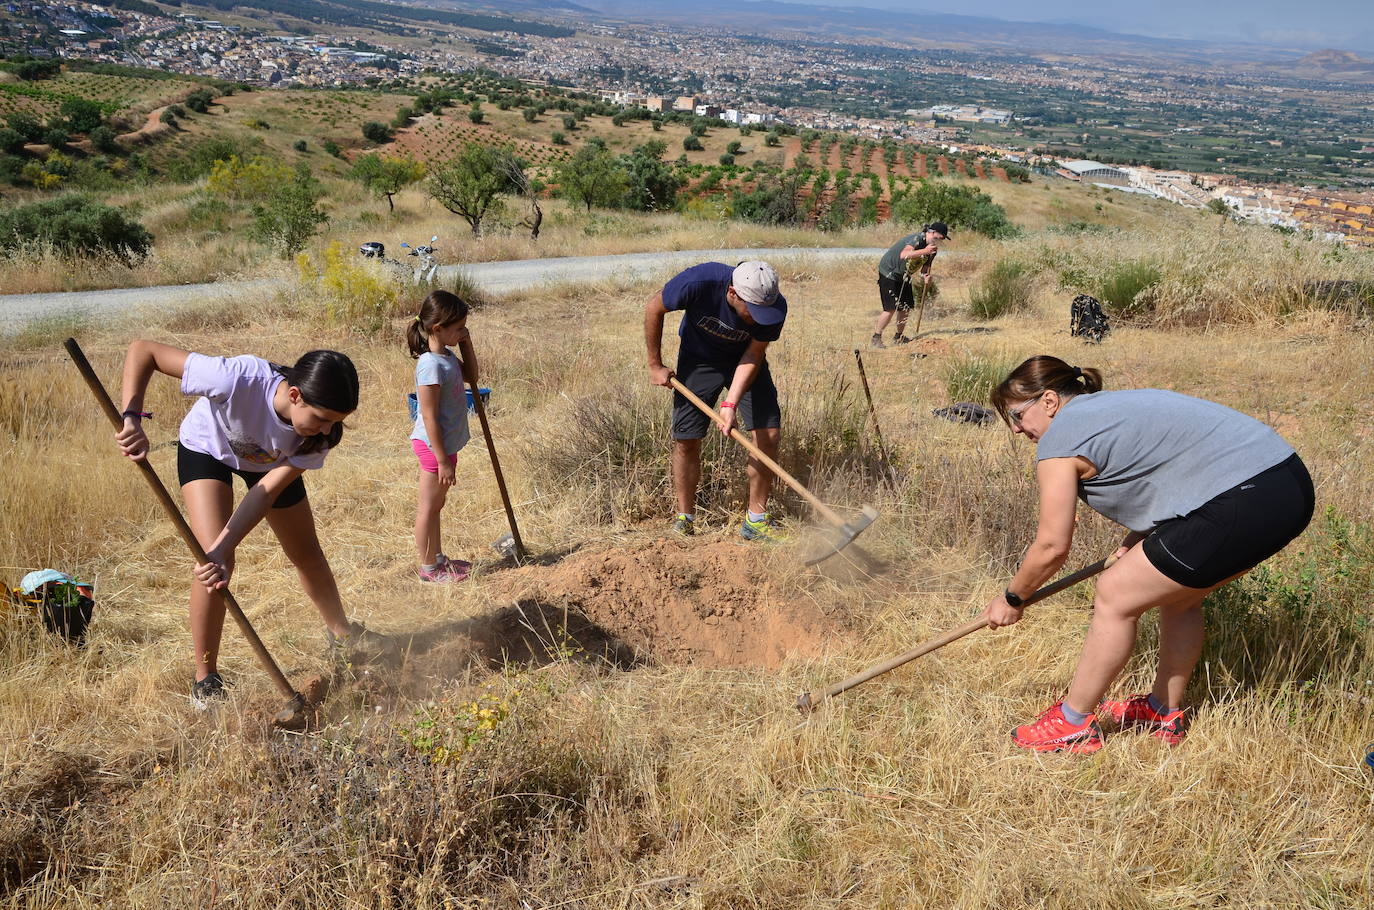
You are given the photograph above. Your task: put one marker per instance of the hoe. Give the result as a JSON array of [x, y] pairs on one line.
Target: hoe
[[842, 532], [811, 701]]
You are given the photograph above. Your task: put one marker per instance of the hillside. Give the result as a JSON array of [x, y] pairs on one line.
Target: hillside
[[158, 165]]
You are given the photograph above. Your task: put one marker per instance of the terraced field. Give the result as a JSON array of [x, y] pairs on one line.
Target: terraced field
[[129, 95]]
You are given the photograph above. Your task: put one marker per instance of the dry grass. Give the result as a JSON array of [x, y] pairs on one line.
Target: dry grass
[[671, 786]]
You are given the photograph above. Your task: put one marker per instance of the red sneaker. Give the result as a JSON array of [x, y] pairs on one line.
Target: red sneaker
[[1052, 732], [1135, 713]]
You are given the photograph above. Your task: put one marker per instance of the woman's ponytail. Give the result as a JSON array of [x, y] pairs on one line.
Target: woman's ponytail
[[1043, 373]]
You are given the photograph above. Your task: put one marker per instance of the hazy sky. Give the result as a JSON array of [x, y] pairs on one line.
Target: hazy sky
[[1341, 24]]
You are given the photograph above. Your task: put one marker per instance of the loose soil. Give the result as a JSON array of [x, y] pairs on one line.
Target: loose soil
[[669, 601]]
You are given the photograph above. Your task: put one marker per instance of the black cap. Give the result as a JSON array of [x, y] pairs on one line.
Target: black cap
[[940, 228]]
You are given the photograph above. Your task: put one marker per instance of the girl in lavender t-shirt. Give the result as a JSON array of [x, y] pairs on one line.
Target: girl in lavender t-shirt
[[268, 424], [441, 422]]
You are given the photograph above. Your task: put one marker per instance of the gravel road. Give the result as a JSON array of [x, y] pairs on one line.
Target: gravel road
[[20, 310]]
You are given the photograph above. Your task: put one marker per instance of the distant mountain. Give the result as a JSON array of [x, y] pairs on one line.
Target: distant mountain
[[1333, 58], [507, 7], [921, 27]]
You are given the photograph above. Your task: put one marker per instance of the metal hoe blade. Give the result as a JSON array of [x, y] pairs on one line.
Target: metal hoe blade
[[841, 536]]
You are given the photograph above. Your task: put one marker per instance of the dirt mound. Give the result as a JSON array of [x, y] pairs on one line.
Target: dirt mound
[[671, 601]]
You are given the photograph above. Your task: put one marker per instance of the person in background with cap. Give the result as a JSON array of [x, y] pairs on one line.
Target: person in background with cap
[[729, 317], [895, 281]]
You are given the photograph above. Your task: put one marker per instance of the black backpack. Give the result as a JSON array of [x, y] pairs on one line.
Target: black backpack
[[1087, 319]]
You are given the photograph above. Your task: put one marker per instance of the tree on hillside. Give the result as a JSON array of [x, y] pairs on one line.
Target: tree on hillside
[[376, 133], [81, 115], [774, 200], [593, 176], [653, 184], [526, 189], [26, 125], [956, 205], [237, 180], [291, 215], [387, 176], [471, 183]]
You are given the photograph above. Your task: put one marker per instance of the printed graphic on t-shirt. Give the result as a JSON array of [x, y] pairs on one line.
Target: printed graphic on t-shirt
[[250, 451], [714, 327]]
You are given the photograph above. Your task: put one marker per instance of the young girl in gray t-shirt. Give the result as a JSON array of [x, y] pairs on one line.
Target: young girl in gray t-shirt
[[441, 421]]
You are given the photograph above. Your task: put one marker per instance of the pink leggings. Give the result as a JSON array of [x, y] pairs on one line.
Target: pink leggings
[[427, 460]]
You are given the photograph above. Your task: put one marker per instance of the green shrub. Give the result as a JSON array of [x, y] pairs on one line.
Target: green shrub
[[376, 133], [200, 100], [972, 377], [11, 141], [81, 115], [26, 125], [1124, 284], [75, 225], [1006, 288], [692, 144], [103, 140]]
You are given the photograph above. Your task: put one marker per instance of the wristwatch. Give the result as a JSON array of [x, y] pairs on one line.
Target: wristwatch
[[1012, 600]]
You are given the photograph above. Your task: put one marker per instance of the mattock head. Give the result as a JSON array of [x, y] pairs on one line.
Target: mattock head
[[837, 538]]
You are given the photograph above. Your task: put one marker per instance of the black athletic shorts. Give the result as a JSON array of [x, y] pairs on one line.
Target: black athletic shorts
[[758, 409], [1236, 530], [895, 293], [193, 465]]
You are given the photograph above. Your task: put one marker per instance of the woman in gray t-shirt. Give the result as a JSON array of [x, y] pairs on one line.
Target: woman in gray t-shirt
[[1206, 493]]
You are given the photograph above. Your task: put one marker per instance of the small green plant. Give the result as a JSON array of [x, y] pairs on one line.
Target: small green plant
[[1124, 284], [1006, 288], [972, 377], [443, 733]]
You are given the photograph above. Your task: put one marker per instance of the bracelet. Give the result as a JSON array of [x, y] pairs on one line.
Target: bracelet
[[141, 415], [727, 404]]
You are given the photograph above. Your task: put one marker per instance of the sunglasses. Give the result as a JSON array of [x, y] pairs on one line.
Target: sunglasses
[[1015, 415]]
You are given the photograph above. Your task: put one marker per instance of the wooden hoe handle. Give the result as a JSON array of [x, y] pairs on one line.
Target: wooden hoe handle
[[810, 701], [826, 512], [481, 410], [169, 505]]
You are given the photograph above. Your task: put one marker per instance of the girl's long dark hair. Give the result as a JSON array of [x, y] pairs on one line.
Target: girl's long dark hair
[[1040, 374], [439, 308], [326, 379]]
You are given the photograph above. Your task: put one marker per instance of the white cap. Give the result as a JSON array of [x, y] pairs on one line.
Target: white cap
[[756, 283]]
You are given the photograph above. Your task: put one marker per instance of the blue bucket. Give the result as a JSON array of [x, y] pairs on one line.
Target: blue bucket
[[413, 402], [1369, 760]]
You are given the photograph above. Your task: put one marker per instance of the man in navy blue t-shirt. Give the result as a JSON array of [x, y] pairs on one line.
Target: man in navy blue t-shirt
[[729, 316]]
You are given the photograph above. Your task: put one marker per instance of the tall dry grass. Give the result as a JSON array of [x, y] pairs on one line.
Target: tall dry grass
[[672, 786], [1197, 275]]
